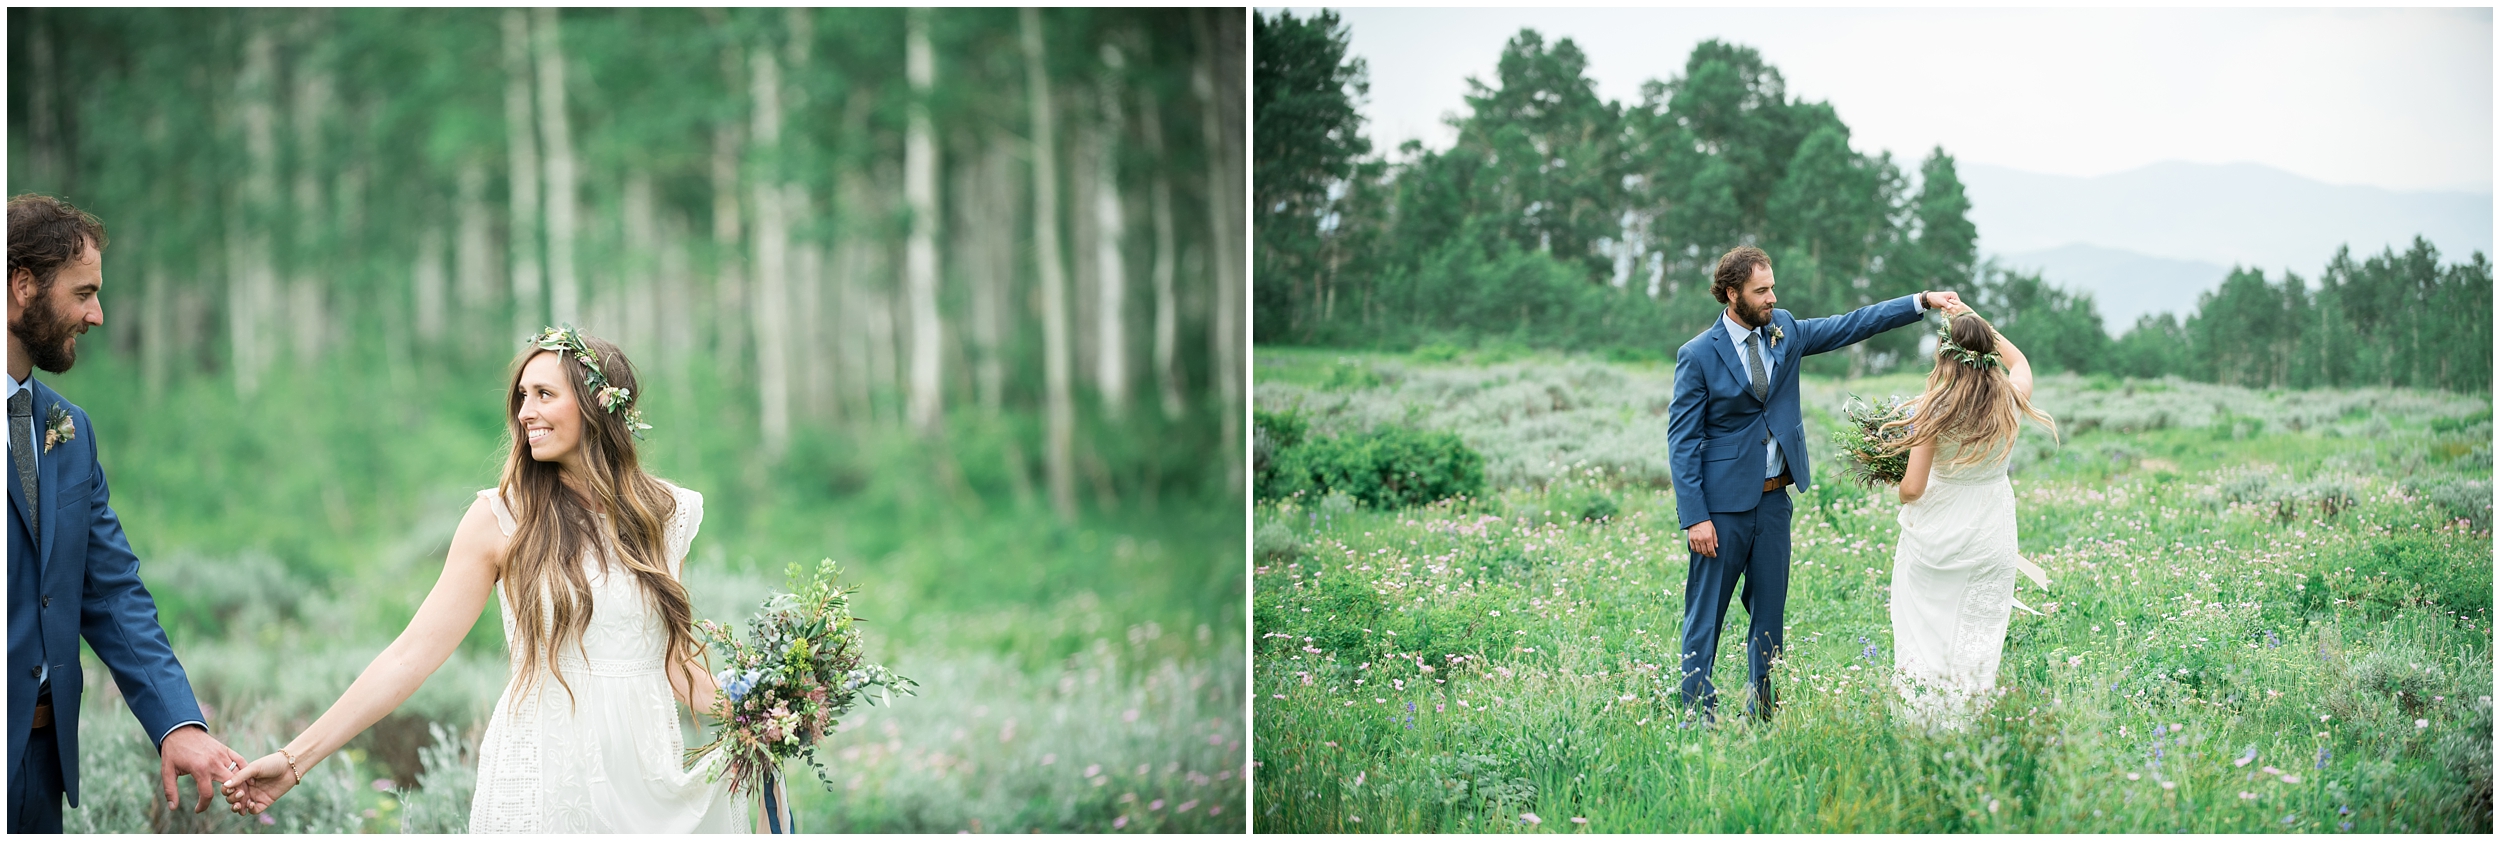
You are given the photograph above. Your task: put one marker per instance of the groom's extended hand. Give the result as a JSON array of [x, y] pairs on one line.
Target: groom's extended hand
[[1704, 537], [1943, 300], [190, 752]]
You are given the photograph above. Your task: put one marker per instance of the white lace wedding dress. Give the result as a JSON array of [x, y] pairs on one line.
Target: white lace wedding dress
[[1953, 578], [608, 758]]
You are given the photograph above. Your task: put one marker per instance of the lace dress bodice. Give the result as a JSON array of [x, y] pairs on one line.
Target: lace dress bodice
[[607, 755]]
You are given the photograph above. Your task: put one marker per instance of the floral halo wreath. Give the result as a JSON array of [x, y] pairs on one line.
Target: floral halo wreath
[[611, 398], [1980, 361]]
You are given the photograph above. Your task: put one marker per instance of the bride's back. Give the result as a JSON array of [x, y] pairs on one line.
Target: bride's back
[[1949, 466]]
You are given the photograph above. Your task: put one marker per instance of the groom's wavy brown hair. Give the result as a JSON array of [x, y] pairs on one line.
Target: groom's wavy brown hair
[[1975, 407], [559, 526]]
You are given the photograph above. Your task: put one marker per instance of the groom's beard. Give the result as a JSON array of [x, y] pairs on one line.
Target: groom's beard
[[1754, 318], [50, 337]]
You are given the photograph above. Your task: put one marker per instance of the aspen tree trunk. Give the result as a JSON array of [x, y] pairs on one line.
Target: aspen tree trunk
[[641, 227], [803, 263], [851, 305], [984, 211], [1001, 328], [769, 305], [306, 314], [564, 293], [1167, 311], [156, 344], [1061, 444], [473, 255], [728, 228], [673, 289], [529, 299], [1080, 182], [920, 266], [427, 284], [1110, 226], [812, 375], [44, 119], [251, 281], [1220, 94]]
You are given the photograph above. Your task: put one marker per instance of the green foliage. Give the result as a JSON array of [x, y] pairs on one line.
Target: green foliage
[[439, 801], [1388, 467], [1275, 542], [1307, 131], [1866, 445], [1561, 220], [2394, 319], [2058, 330], [2401, 573], [2240, 629]]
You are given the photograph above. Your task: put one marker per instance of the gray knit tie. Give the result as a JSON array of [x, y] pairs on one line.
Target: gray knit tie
[[22, 447], [1753, 359]]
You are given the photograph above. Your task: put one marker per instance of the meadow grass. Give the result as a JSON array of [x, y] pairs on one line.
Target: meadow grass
[[1073, 677], [2266, 613]]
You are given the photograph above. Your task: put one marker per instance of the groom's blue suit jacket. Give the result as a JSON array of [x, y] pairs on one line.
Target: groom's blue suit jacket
[[80, 579], [1715, 426]]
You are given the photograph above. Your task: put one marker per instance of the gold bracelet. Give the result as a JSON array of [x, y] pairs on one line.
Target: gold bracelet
[[290, 765]]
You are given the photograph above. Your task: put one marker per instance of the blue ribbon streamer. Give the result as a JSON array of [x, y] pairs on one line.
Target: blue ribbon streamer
[[772, 809]]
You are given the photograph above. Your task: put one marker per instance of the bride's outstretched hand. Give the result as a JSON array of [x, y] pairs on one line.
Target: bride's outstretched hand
[[259, 784]]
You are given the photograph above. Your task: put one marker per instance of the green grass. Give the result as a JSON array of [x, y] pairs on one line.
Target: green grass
[[289, 537], [2302, 579]]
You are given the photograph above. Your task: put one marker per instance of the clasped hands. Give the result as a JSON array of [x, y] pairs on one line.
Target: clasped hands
[[249, 788], [1949, 302], [260, 783]]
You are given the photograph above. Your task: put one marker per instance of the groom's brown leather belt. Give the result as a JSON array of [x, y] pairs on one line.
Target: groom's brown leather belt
[[1781, 481], [43, 714]]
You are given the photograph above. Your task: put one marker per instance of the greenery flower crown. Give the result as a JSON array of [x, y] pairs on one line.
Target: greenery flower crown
[[1979, 361], [611, 398]]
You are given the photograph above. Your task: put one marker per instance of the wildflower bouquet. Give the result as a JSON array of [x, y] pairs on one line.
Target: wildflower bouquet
[[799, 670], [1865, 443]]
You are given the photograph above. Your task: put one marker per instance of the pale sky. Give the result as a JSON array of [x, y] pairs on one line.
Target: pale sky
[[2394, 98]]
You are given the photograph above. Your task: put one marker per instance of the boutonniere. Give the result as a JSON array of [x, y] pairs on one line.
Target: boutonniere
[[1776, 335], [58, 429]]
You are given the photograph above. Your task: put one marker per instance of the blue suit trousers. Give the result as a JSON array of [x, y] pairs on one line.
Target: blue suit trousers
[[1753, 548], [35, 786]]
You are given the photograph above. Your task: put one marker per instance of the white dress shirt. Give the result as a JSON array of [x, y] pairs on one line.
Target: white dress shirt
[[1736, 334]]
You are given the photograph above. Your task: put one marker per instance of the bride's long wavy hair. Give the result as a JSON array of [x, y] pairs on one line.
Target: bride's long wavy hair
[[558, 526], [1975, 407]]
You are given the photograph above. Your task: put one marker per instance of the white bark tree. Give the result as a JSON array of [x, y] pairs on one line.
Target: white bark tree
[[251, 280], [1110, 229], [1167, 309], [307, 312], [920, 260], [427, 279], [529, 301], [1060, 447], [473, 255], [640, 222], [564, 293], [769, 305], [1224, 201]]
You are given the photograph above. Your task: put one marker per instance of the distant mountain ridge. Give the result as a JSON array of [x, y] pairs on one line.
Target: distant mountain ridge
[[2125, 284], [2150, 239]]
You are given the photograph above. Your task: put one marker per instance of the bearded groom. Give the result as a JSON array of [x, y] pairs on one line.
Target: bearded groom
[[1736, 442], [71, 572]]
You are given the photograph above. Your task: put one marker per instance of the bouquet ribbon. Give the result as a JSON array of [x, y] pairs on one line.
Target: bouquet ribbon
[[774, 800]]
